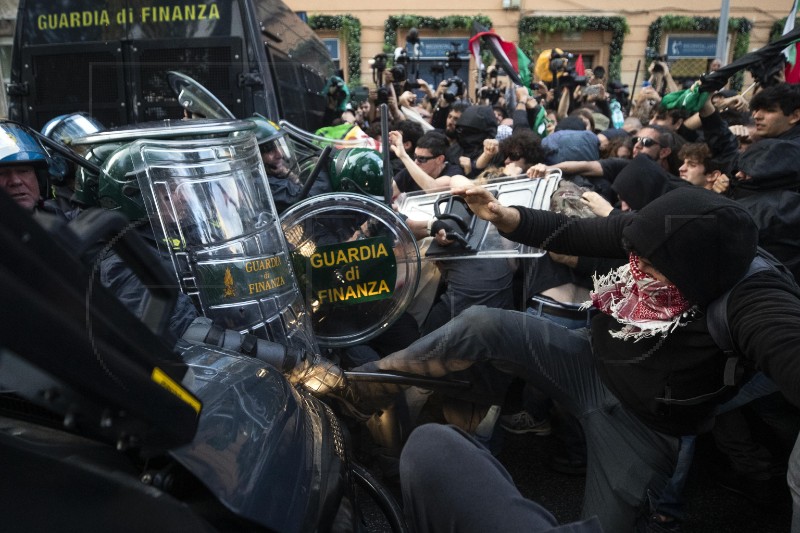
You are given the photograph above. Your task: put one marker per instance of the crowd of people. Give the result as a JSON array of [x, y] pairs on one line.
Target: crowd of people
[[674, 218], [673, 201]]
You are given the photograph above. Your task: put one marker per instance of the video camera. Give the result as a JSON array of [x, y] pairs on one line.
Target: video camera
[[455, 88], [619, 92], [652, 55], [490, 93], [401, 81], [563, 72]]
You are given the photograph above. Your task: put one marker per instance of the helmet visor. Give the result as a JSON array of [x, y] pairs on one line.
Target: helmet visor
[[279, 158]]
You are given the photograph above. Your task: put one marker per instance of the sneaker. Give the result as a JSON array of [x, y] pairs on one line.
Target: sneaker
[[659, 523], [523, 422]]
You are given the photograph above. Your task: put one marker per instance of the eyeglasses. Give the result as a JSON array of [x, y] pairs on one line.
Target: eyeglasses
[[424, 158], [647, 142]]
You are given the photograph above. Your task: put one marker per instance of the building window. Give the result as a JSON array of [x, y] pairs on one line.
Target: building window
[[436, 59], [5, 57], [332, 44]]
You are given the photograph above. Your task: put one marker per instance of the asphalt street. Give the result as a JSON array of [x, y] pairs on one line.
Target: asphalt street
[[711, 509]]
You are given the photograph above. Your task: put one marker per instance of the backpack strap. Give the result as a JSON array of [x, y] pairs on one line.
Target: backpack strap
[[717, 319]]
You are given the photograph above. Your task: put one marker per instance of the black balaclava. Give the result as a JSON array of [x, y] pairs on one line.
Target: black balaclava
[[643, 180], [476, 124], [701, 241]]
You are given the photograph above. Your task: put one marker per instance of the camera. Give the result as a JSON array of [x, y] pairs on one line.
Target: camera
[[652, 55], [383, 96], [411, 85], [619, 92], [564, 73], [490, 93], [398, 73], [455, 88]]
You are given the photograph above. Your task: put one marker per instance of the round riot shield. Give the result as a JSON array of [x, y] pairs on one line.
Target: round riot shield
[[356, 262]]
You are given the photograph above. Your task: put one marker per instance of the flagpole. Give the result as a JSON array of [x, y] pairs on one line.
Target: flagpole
[[722, 32]]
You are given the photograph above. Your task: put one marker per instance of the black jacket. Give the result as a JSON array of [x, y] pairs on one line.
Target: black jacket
[[703, 243]]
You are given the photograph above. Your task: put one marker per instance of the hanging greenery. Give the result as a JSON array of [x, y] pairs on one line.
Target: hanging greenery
[[452, 22], [529, 27], [349, 28], [669, 23], [777, 28]]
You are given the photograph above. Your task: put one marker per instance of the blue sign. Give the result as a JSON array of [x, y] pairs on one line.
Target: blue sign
[[332, 45], [678, 47], [438, 47]]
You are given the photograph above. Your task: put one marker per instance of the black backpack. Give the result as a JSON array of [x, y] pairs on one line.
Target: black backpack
[[717, 319]]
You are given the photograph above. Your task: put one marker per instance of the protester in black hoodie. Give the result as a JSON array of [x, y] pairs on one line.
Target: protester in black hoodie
[[649, 370], [476, 124], [768, 185]]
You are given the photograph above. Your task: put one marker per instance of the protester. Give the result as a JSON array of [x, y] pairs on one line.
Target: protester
[[626, 394]]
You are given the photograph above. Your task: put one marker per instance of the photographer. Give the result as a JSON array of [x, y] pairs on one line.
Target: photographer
[[660, 77], [338, 96], [449, 93]]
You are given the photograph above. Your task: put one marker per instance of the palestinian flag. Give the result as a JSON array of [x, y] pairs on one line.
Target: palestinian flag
[[507, 54], [791, 52]]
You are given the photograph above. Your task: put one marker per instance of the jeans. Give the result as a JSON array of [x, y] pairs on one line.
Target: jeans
[[625, 459], [670, 501], [452, 483]]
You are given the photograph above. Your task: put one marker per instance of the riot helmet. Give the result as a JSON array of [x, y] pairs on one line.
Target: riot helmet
[[19, 148], [358, 170], [277, 151], [64, 128]]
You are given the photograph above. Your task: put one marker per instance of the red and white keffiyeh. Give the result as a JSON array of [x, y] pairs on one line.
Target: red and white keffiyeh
[[643, 304]]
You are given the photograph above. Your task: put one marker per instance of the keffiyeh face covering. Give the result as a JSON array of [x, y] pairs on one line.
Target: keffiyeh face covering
[[643, 304]]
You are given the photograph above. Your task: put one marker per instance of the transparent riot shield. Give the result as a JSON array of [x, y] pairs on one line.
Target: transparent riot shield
[[477, 238], [212, 213], [357, 261]]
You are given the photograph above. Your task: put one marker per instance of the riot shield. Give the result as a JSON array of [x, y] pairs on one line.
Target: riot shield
[[357, 261], [211, 211], [477, 239]]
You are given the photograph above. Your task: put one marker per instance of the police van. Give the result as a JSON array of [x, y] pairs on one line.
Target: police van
[[110, 58]]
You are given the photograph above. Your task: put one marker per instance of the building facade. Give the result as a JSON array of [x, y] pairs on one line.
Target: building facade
[[617, 35]]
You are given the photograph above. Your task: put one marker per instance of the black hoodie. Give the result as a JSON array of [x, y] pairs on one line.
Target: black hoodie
[[643, 180], [475, 124], [703, 243]]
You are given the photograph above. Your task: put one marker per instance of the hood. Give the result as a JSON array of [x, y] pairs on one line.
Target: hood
[[643, 180], [771, 164], [571, 145], [476, 123], [701, 241]]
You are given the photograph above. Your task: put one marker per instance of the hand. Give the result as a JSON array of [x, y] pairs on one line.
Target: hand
[[491, 147], [522, 94], [396, 143], [484, 204], [408, 99], [465, 164], [739, 130], [599, 205], [648, 93], [721, 184], [441, 238], [513, 169], [736, 102], [538, 170]]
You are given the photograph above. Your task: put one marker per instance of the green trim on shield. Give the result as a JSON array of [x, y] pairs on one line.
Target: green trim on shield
[[353, 272], [231, 281]]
